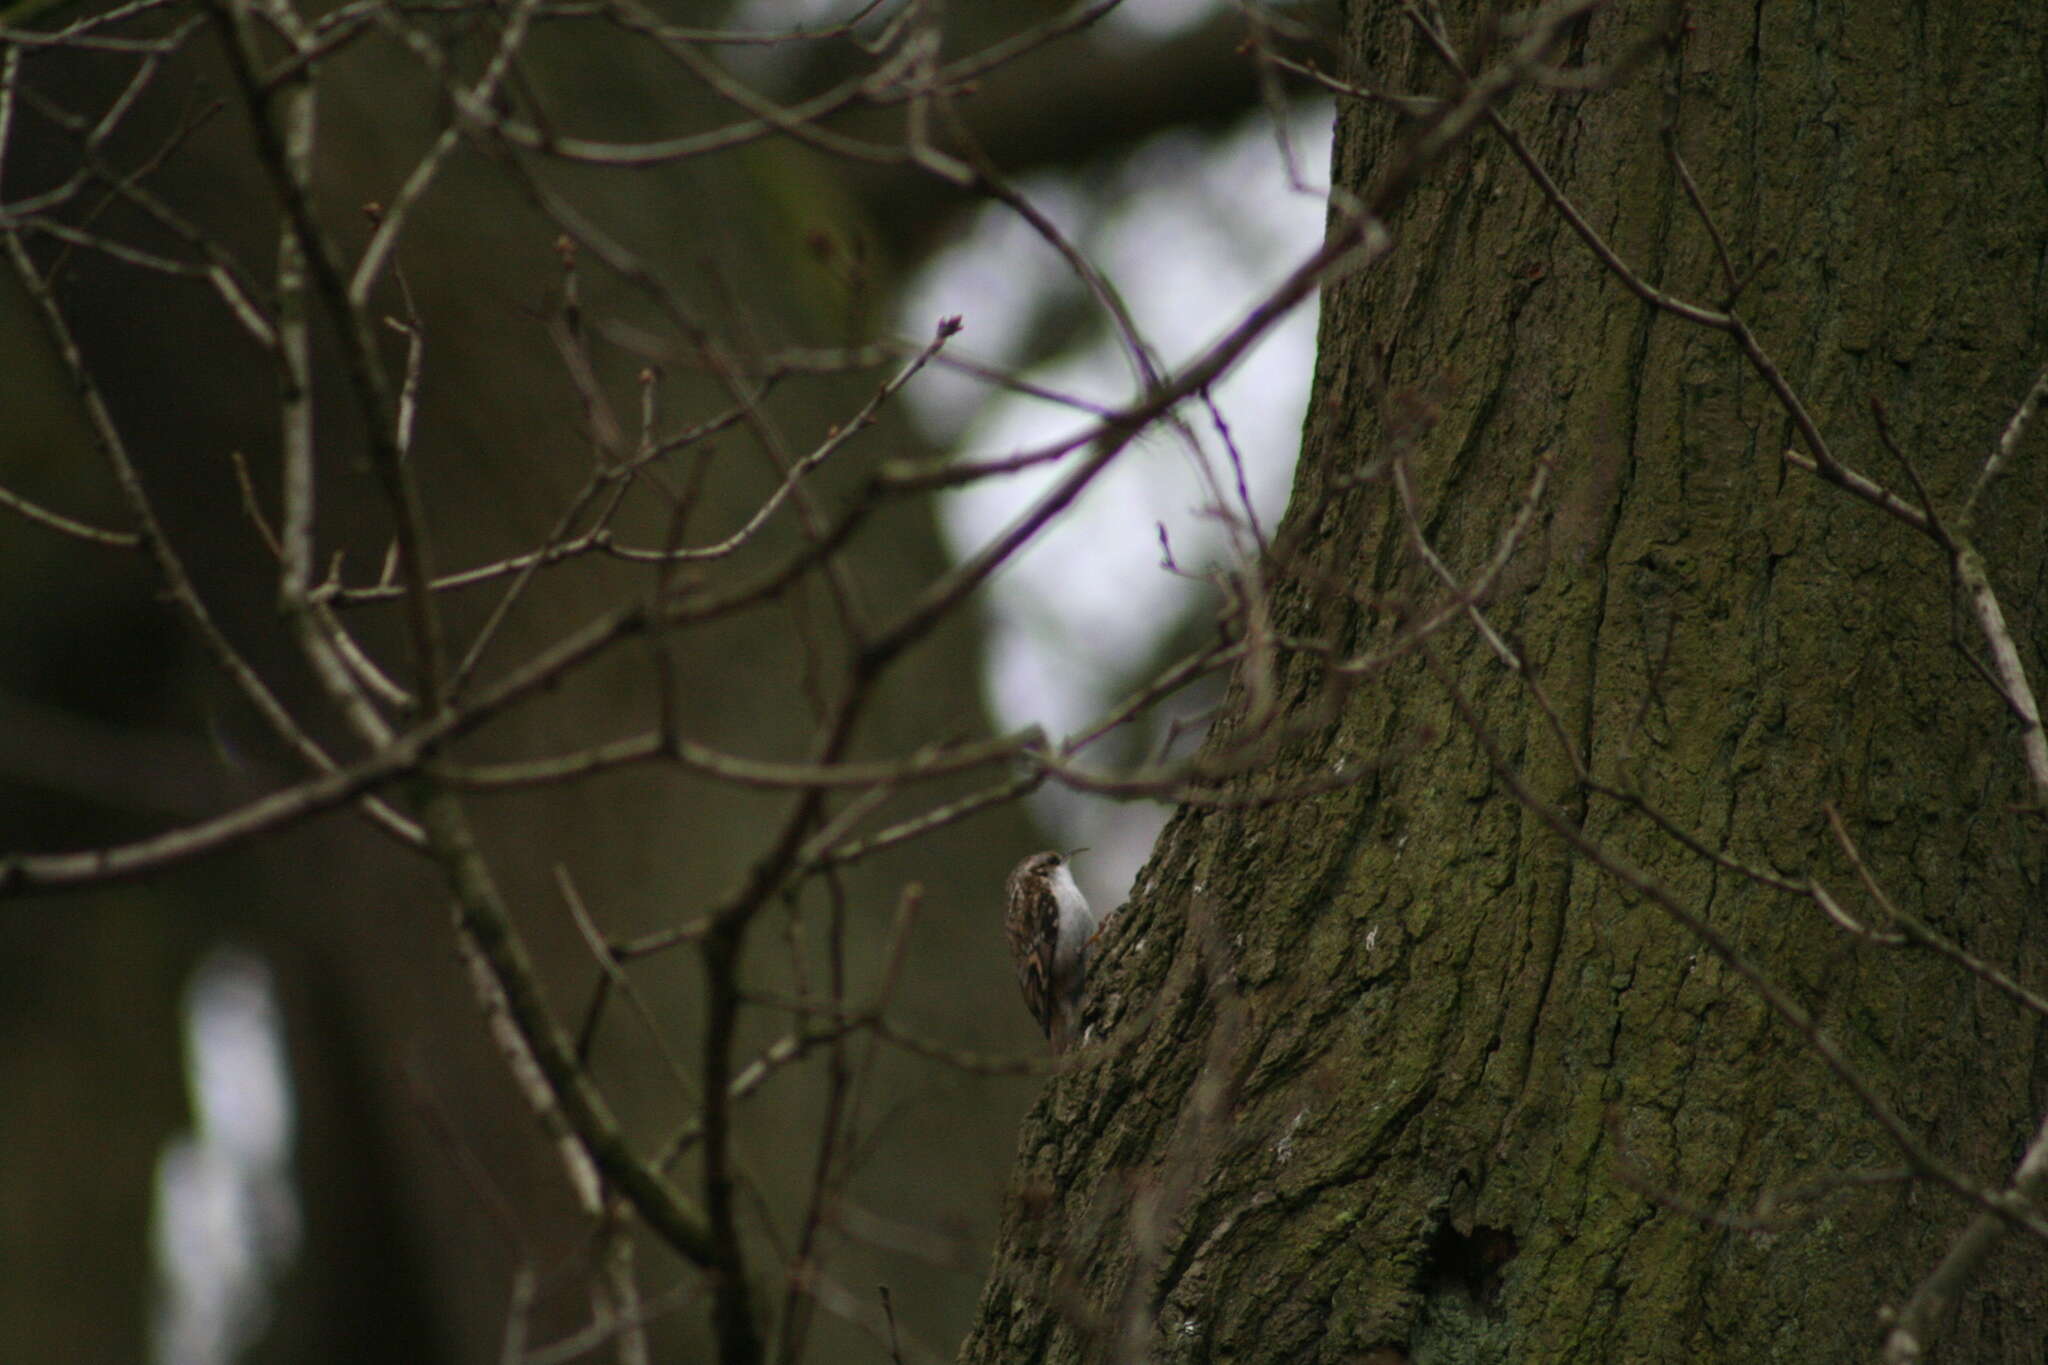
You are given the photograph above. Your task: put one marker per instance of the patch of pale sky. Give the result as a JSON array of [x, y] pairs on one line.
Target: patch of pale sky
[[993, 278], [1161, 18], [1152, 19], [763, 16], [226, 1221], [241, 1085], [1192, 232]]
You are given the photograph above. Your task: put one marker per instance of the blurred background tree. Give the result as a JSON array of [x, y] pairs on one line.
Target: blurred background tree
[[418, 1191], [700, 494]]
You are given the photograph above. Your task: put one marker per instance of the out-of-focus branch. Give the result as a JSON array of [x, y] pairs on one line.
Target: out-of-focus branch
[[57, 521], [1077, 105], [177, 582], [2008, 441], [1935, 1297], [481, 916], [279, 156]]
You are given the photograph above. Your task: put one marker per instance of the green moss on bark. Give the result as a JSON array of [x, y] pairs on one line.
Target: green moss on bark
[[1361, 1032]]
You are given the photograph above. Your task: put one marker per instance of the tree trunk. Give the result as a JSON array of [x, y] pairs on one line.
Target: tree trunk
[[1393, 1073]]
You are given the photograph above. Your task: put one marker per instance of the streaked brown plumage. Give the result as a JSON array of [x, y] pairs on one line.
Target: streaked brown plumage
[[1049, 925]]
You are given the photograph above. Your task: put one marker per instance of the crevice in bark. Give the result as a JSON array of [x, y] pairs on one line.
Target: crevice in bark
[[1461, 1281], [1470, 1264]]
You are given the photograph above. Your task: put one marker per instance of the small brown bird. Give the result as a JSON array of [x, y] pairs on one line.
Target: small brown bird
[[1049, 925]]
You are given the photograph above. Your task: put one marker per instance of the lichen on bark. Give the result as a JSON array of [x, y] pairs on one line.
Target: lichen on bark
[[1390, 1073]]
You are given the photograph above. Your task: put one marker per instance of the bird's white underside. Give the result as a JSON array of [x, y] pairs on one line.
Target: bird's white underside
[[1077, 923]]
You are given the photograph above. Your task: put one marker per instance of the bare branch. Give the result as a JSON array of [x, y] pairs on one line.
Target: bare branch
[[57, 521], [2008, 441]]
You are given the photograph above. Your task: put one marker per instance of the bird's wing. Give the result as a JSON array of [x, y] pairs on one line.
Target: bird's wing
[[1034, 939]]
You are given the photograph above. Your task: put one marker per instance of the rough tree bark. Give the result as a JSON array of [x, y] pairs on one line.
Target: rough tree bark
[[1391, 1073]]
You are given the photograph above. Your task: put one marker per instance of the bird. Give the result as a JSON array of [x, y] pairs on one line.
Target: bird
[[1050, 925]]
